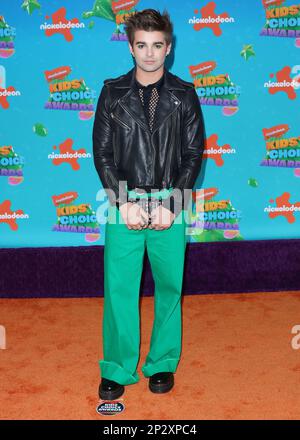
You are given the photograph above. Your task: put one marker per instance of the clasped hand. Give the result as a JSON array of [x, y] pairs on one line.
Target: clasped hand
[[137, 218]]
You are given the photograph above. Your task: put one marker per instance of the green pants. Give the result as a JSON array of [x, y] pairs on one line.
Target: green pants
[[123, 264]]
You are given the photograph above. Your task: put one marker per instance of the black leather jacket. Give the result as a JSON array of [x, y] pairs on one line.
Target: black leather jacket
[[125, 150]]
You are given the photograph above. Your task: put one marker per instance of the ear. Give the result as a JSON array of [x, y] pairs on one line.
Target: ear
[[169, 49], [131, 50]]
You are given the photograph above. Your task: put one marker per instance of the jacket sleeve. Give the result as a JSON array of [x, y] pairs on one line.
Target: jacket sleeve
[[103, 152], [193, 144]]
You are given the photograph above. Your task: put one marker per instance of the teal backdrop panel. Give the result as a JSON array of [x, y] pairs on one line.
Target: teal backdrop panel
[[244, 60]]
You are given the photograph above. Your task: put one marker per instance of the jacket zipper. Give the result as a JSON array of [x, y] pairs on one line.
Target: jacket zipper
[[115, 148], [119, 121], [169, 156]]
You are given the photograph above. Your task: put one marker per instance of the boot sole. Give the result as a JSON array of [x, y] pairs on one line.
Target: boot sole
[[161, 388], [111, 395]]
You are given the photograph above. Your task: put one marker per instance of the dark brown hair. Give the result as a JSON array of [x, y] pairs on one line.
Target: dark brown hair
[[149, 20]]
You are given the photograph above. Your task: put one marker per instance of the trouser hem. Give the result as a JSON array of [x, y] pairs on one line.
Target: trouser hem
[[168, 365], [113, 371]]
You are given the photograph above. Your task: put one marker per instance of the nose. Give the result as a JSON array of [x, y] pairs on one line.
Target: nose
[[149, 52]]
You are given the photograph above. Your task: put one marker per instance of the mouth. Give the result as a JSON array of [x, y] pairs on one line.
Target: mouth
[[149, 62]]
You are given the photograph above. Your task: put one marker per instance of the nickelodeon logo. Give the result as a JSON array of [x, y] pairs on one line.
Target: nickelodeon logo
[[61, 25], [208, 18]]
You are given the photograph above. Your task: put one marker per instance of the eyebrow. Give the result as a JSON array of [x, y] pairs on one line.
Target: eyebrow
[[144, 42]]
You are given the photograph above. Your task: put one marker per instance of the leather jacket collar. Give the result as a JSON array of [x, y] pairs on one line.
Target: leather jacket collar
[[131, 103]]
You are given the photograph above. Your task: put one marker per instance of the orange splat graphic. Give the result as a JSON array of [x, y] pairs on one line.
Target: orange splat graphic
[[57, 73], [277, 131], [67, 147], [272, 2], [3, 98], [5, 208], [284, 200], [57, 17], [206, 12], [66, 198], [211, 142], [281, 75], [121, 5]]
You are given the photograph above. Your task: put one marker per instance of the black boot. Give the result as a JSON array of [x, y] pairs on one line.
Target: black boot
[[161, 382], [110, 390]]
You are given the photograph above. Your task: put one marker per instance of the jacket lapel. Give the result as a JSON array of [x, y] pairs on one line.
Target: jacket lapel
[[167, 103]]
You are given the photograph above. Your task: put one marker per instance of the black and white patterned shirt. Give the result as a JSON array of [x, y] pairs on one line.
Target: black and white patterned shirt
[[149, 96]]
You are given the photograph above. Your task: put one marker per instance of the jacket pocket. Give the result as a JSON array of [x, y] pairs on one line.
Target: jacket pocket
[[118, 121]]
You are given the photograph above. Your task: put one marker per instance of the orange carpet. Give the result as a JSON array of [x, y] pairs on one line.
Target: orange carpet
[[237, 360]]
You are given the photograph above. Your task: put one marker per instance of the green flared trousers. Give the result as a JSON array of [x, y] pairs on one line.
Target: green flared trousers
[[123, 264]]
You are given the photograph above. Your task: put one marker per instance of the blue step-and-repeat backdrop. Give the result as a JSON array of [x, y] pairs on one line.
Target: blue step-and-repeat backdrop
[[244, 60]]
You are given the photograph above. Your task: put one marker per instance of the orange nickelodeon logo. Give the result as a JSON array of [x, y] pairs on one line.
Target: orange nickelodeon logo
[[203, 68], [277, 131], [123, 5], [268, 3], [66, 198], [58, 73]]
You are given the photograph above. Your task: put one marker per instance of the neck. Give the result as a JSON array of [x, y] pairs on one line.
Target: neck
[[146, 78]]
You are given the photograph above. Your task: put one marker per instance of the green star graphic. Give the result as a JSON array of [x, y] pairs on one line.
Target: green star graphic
[[30, 5], [247, 51], [252, 182], [102, 9]]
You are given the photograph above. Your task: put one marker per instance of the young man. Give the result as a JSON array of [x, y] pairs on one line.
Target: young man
[[148, 140]]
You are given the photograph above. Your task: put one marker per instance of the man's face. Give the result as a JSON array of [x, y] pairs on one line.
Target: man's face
[[149, 46]]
